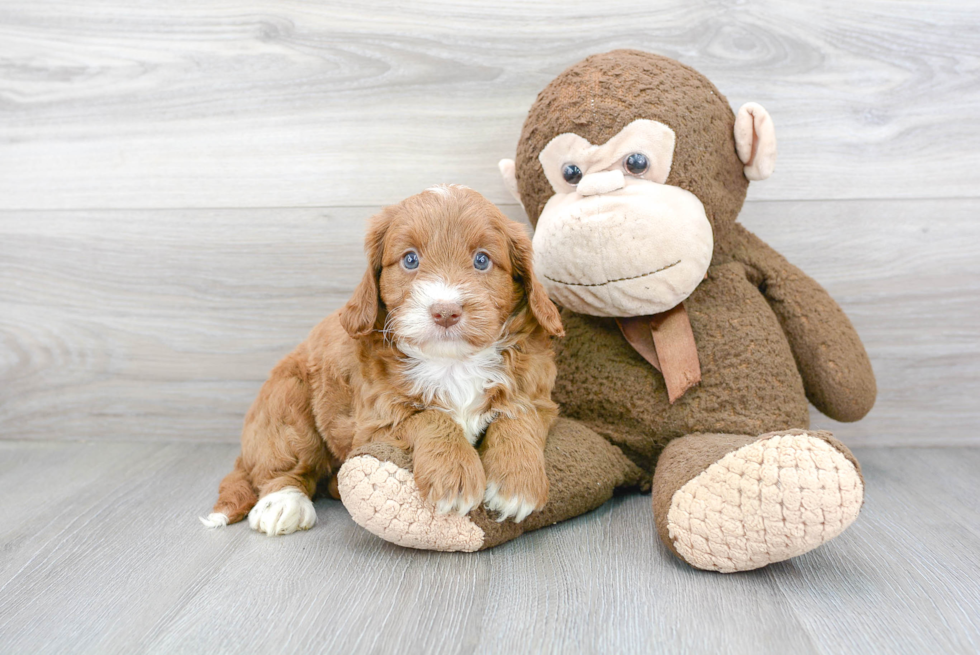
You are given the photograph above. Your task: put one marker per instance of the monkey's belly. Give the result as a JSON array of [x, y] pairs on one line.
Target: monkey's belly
[[749, 380]]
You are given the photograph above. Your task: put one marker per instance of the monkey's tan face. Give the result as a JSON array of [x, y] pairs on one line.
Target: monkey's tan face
[[615, 240]]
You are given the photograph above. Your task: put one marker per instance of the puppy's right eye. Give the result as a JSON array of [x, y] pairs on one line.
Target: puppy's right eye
[[571, 173], [410, 260]]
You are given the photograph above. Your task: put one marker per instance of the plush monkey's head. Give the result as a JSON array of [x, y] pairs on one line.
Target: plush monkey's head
[[630, 165]]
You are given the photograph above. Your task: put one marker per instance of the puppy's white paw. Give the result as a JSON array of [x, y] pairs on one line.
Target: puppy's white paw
[[506, 506], [458, 504], [214, 520], [282, 512]]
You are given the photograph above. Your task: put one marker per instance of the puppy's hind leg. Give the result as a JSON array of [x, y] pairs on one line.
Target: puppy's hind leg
[[283, 457], [235, 498]]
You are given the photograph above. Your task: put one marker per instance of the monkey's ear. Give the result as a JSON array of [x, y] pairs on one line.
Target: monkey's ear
[[509, 172], [543, 310], [359, 316], [755, 141]]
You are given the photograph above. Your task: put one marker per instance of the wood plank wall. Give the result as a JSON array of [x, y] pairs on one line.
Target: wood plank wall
[[183, 185]]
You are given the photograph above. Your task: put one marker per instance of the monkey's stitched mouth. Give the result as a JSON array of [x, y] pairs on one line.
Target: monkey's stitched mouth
[[622, 279]]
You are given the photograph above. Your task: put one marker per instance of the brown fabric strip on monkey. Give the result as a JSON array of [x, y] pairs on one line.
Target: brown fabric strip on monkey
[[667, 342]]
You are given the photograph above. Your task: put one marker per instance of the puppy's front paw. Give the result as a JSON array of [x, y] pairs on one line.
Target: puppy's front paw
[[451, 479], [516, 487], [282, 512]]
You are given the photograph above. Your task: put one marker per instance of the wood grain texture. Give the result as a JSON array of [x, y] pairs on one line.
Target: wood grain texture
[[112, 560], [921, 519], [114, 104], [908, 275], [163, 324]]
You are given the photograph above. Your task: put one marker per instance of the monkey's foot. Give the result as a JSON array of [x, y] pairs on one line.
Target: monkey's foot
[[378, 489], [730, 503]]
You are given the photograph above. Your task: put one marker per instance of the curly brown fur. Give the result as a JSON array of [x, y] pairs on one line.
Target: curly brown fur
[[356, 380]]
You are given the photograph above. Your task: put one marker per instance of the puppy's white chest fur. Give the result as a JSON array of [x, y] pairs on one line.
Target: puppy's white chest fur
[[457, 385]]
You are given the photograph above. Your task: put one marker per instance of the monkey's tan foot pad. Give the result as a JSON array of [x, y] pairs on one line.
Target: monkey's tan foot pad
[[382, 498], [765, 502]]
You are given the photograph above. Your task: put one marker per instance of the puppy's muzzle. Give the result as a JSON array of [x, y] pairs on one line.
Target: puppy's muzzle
[[446, 314]]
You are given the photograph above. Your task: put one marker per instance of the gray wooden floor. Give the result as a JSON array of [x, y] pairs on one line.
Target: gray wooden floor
[[103, 553], [183, 189]]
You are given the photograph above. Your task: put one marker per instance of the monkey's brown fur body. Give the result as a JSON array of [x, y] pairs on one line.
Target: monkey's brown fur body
[[738, 481]]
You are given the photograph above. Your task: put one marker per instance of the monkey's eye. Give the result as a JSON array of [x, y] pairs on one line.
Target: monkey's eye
[[571, 173], [636, 164], [481, 261], [410, 260]]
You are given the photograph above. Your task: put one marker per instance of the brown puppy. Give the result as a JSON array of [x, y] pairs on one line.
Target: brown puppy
[[446, 340]]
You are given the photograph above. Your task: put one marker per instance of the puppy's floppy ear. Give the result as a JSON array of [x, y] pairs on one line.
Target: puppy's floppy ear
[[359, 315], [543, 310]]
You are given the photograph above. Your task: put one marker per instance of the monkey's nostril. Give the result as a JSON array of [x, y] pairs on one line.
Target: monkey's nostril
[[446, 314]]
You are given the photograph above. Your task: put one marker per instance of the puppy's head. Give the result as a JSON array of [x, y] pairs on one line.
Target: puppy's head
[[448, 274]]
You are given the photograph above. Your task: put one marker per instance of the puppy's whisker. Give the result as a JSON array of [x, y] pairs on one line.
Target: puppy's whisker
[[388, 329]]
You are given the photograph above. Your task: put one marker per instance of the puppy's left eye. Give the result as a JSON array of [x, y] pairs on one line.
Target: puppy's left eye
[[481, 261]]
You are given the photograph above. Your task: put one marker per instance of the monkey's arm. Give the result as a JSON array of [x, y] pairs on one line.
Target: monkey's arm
[[829, 354]]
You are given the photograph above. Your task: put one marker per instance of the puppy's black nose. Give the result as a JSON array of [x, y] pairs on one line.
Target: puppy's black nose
[[446, 314]]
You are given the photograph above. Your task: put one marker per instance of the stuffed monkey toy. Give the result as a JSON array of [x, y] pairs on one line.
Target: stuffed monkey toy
[[691, 346]]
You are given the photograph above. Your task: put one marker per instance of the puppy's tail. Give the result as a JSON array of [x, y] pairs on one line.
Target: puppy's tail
[[235, 498]]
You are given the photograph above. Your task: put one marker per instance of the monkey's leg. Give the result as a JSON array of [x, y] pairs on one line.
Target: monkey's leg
[[378, 489], [734, 503]]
